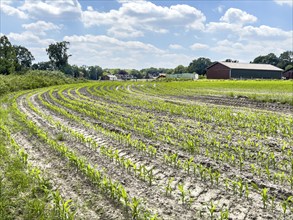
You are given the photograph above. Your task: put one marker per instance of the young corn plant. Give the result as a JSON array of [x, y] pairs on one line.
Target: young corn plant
[[135, 208], [168, 188], [265, 197], [212, 208], [224, 214], [182, 192]]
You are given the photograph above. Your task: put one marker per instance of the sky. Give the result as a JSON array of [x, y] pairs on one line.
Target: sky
[[144, 33]]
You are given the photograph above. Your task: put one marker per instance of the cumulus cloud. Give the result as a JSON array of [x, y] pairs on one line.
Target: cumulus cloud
[[175, 46], [110, 42], [265, 31], [284, 2], [246, 51], [198, 46], [111, 52], [61, 9], [12, 11], [234, 15], [41, 27], [141, 16], [29, 38]]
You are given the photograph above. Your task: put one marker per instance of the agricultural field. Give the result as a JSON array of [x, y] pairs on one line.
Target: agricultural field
[[153, 150]]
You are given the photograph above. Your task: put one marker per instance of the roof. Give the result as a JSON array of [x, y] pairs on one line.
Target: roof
[[250, 66], [290, 69], [111, 76]]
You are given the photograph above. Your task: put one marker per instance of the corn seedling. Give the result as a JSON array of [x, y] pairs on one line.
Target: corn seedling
[[168, 188], [182, 192], [212, 208], [265, 197], [224, 214]]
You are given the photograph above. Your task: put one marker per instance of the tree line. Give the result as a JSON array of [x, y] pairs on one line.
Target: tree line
[[18, 59]]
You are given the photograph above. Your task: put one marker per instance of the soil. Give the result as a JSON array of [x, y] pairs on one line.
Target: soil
[[90, 203]]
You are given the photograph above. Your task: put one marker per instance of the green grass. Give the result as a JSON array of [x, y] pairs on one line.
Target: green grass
[[21, 197], [262, 90], [32, 80]]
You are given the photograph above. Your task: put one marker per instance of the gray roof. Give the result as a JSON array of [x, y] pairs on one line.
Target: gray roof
[[251, 66]]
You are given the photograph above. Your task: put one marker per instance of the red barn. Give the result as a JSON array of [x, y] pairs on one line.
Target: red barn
[[227, 70]]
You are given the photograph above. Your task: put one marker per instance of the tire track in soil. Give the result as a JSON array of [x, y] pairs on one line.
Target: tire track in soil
[[126, 179], [131, 189], [132, 185], [71, 183], [263, 182], [203, 196], [246, 166], [266, 184], [240, 102]]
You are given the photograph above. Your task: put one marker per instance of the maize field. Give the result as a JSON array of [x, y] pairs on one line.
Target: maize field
[[143, 150]]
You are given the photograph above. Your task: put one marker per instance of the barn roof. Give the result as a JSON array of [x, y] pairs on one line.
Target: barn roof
[[250, 66]]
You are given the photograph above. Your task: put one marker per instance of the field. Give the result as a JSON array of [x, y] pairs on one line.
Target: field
[[151, 150]]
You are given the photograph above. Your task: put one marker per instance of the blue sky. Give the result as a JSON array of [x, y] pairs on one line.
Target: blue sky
[[144, 33]]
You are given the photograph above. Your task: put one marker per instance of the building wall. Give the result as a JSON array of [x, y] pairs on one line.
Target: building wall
[[218, 71], [258, 74], [288, 74]]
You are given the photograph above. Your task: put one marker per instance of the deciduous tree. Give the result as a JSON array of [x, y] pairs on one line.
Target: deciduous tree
[[58, 54], [7, 56]]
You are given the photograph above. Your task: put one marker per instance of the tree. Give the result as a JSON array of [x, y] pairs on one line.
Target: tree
[[42, 66], [285, 59], [271, 58], [199, 65], [23, 58], [136, 74], [180, 69], [7, 56], [231, 61], [58, 54], [95, 72]]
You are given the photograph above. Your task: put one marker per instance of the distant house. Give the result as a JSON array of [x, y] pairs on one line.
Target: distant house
[[227, 70], [109, 77], [288, 74], [193, 76], [161, 75]]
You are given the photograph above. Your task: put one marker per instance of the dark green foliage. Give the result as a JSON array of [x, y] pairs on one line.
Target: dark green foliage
[[7, 56], [180, 69], [285, 59], [58, 54], [32, 80], [199, 65], [23, 59]]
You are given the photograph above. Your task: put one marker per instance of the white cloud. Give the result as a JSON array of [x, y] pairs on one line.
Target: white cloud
[[265, 31], [284, 2], [247, 50], [28, 38], [175, 46], [41, 27], [198, 46], [237, 16], [47, 9], [115, 44], [111, 52], [12, 11], [220, 8], [141, 16]]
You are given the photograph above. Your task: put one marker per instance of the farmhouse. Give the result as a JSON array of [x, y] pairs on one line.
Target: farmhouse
[[227, 70], [192, 76], [288, 74], [109, 77]]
